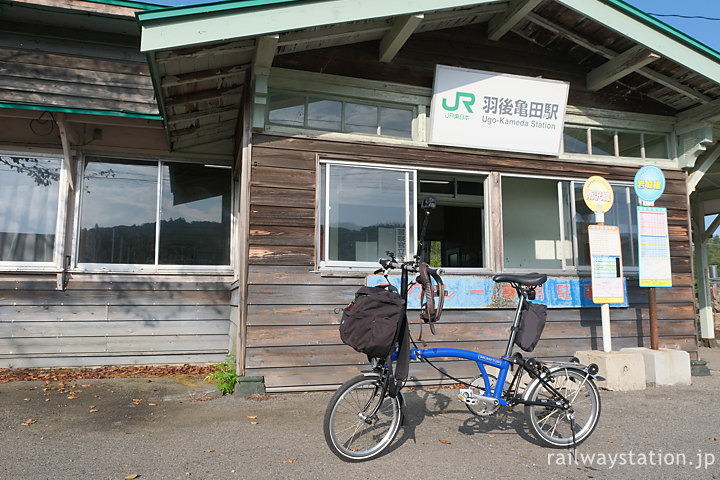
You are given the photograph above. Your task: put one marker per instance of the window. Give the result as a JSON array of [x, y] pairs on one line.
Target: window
[[596, 141], [336, 115], [622, 214], [545, 223], [536, 231], [366, 211], [30, 194], [455, 233], [160, 213]]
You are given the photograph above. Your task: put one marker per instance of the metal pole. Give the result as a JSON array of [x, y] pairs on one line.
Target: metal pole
[[652, 305], [605, 317]]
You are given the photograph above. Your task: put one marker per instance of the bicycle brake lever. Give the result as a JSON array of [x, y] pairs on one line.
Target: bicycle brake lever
[[379, 270]]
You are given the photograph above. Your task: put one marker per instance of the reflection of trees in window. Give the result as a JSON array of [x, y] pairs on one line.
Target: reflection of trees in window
[[120, 210], [30, 166], [29, 192]]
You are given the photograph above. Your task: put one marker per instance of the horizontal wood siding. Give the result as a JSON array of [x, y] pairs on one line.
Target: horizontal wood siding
[[86, 70], [293, 311], [113, 319]]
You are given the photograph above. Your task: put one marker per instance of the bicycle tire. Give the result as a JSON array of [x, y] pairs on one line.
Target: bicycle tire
[[351, 436], [552, 425]]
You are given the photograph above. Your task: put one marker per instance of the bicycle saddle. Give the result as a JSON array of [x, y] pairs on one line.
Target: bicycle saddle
[[528, 279]]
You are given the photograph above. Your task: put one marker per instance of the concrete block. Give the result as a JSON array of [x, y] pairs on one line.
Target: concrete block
[[664, 366], [250, 385], [619, 371]]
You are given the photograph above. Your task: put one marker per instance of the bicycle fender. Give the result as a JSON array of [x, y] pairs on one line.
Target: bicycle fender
[[555, 368]]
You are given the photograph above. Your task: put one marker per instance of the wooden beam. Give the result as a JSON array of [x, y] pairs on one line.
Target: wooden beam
[[517, 10], [265, 49], [669, 82], [710, 112], [627, 62], [65, 136], [400, 32], [697, 175]]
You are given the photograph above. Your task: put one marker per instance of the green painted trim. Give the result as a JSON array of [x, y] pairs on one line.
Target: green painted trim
[[107, 113], [214, 7], [664, 27], [126, 3]]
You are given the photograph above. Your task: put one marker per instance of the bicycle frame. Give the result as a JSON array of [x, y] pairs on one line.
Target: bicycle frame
[[481, 360]]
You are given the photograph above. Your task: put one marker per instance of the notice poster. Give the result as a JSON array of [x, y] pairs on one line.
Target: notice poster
[[608, 285], [654, 247]]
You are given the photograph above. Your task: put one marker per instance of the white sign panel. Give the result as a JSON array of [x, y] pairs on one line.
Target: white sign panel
[[608, 285], [497, 111], [654, 246]]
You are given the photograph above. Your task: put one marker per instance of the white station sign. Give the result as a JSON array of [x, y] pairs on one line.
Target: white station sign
[[497, 111]]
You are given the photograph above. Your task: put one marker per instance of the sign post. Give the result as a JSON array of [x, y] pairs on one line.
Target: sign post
[[605, 253], [653, 241]]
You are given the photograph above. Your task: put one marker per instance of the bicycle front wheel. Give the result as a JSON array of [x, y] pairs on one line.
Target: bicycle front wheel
[[553, 425], [361, 422]]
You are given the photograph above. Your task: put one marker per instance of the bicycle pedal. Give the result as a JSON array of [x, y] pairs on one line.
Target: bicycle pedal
[[466, 395]]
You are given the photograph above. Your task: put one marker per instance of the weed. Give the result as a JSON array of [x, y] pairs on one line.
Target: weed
[[224, 375]]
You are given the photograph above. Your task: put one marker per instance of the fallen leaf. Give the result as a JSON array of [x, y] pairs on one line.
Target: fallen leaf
[[292, 460], [94, 410], [714, 439], [29, 421], [208, 451], [252, 416], [492, 435], [610, 441], [72, 397], [47, 399], [152, 404], [254, 423], [446, 442], [132, 476], [26, 399]]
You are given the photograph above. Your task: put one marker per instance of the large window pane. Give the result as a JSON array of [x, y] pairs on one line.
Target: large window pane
[[361, 118], [455, 233], [325, 114], [119, 208], [368, 211], [29, 189], [287, 109], [195, 215], [622, 214], [531, 224]]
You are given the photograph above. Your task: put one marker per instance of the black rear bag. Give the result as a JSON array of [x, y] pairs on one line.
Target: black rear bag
[[532, 322], [370, 323]]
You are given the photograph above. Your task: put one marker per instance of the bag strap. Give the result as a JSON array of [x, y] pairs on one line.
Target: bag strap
[[430, 311]]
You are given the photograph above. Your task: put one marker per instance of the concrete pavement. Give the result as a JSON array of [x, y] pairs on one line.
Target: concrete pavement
[[162, 428]]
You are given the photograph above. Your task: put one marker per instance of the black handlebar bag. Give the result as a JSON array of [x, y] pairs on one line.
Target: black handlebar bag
[[370, 323], [532, 323]]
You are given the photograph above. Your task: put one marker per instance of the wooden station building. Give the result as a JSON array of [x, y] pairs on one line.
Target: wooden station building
[[183, 183]]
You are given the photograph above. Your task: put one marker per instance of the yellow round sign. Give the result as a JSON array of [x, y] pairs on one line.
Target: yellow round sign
[[598, 194]]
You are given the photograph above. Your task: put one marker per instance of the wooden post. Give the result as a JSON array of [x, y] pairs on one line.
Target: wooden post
[[652, 305]]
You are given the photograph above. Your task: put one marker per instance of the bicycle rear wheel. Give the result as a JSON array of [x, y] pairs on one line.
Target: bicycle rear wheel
[[359, 423], [553, 425]]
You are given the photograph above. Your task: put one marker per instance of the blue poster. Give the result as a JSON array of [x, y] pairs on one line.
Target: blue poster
[[470, 291]]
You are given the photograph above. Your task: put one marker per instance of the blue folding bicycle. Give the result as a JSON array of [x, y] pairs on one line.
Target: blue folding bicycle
[[561, 400]]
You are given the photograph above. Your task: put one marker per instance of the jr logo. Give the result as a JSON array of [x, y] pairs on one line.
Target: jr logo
[[470, 100]]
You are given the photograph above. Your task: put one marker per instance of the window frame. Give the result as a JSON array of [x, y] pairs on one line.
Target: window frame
[[343, 100], [156, 267], [576, 268], [56, 264], [337, 265], [616, 143]]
